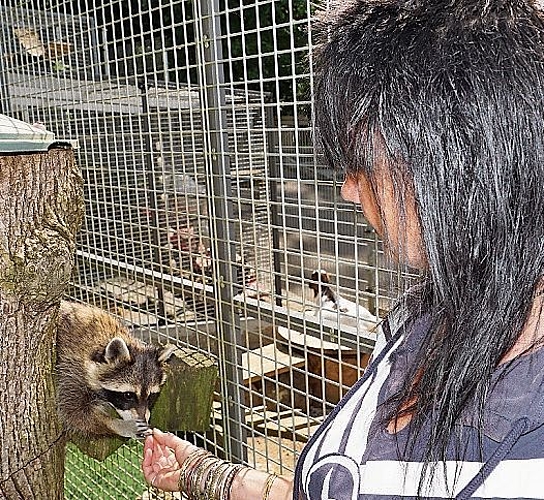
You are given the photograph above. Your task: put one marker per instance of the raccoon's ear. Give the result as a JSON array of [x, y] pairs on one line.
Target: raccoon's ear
[[116, 351], [165, 352]]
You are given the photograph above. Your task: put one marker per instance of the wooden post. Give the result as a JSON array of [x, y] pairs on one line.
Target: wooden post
[[185, 402], [41, 209]]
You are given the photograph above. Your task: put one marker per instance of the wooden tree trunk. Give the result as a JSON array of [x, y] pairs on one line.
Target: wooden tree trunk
[[41, 208]]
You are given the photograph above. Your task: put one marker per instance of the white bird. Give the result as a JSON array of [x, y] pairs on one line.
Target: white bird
[[336, 308]]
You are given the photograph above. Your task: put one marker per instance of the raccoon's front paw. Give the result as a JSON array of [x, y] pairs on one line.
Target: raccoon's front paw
[[143, 429], [130, 428]]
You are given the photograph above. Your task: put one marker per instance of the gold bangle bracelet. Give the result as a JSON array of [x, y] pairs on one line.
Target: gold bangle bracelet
[[268, 485], [225, 493], [192, 458], [197, 476], [214, 478]]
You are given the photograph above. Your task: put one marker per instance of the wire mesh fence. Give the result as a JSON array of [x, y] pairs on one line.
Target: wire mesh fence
[[208, 206]]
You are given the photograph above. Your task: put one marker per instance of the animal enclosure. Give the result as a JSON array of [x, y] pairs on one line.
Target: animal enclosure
[[208, 206]]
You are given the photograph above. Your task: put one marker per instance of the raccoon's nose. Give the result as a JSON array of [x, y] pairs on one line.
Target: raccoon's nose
[[143, 413]]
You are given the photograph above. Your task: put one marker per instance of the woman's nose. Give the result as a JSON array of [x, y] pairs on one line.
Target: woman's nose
[[350, 190]]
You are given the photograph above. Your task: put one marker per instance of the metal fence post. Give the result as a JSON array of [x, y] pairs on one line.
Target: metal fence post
[[213, 103], [273, 132], [151, 178], [5, 102]]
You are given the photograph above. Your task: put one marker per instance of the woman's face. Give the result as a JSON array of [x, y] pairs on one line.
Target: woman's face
[[399, 228]]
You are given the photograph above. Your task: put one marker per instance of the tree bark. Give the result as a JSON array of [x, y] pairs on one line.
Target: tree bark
[[41, 209]]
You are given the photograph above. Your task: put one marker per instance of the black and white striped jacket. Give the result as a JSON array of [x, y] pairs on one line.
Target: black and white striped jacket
[[352, 457]]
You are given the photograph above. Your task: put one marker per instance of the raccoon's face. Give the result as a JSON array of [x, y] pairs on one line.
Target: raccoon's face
[[127, 382]]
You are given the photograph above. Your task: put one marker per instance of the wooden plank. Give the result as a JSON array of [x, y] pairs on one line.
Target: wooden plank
[[286, 423], [267, 361], [260, 418], [304, 433]]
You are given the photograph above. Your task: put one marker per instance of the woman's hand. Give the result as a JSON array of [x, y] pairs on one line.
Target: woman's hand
[[163, 454]]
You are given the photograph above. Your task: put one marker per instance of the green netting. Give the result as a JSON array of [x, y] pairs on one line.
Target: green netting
[[119, 477]]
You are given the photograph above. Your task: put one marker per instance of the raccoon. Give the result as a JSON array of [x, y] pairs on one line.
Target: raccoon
[[107, 381]]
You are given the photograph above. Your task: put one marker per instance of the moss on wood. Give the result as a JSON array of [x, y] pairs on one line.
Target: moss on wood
[[185, 402]]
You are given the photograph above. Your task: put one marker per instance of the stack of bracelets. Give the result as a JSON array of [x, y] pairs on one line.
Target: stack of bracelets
[[206, 477]]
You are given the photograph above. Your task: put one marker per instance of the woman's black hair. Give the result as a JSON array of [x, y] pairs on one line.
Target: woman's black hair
[[451, 94]]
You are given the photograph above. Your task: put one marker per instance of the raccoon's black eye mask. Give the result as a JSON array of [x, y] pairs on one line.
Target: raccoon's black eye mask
[[152, 398], [120, 400]]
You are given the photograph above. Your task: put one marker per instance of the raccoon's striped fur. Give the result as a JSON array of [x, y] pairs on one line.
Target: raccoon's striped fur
[[107, 380]]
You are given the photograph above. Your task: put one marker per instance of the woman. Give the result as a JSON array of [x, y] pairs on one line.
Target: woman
[[435, 111]]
